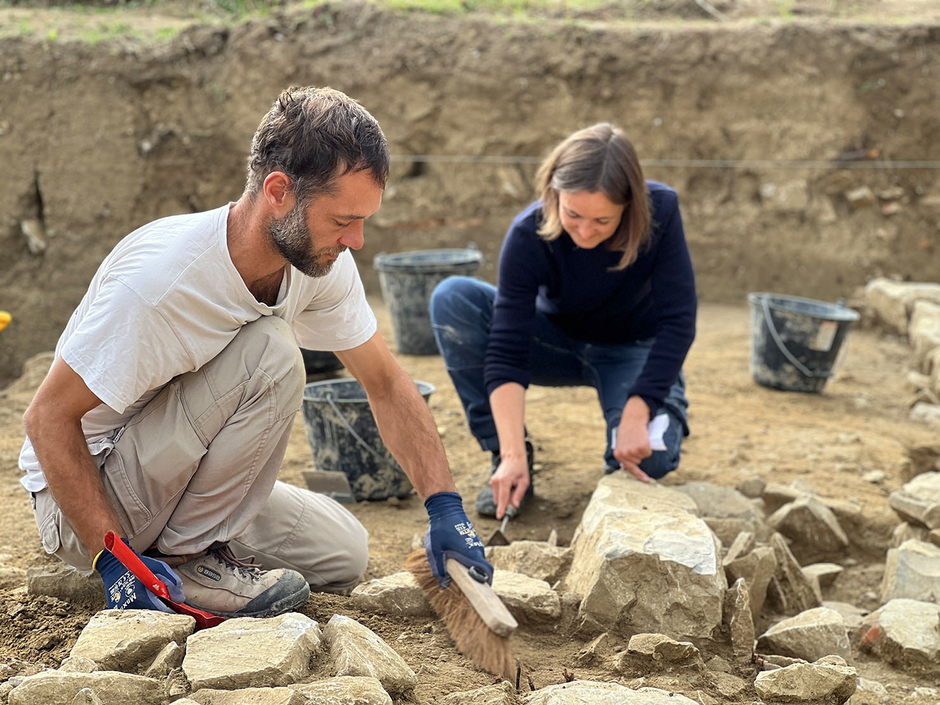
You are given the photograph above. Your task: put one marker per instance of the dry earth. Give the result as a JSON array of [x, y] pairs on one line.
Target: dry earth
[[860, 423]]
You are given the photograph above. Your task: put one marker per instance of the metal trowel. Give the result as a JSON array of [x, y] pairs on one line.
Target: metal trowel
[[499, 536]]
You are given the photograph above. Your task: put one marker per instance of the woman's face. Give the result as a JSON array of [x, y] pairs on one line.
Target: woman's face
[[589, 217]]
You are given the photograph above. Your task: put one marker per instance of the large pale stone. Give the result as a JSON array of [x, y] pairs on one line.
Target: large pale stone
[[252, 653], [397, 595], [255, 696], [537, 559], [904, 633], [892, 301], [111, 687], [924, 333], [86, 696], [789, 591], [355, 650], [502, 693], [810, 636], [776, 495], [828, 680], [756, 568], [596, 693], [529, 600], [643, 562], [740, 621], [65, 583], [812, 527], [918, 501], [123, 640], [912, 571], [344, 690]]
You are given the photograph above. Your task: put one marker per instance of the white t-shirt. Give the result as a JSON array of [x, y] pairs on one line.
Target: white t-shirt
[[167, 300]]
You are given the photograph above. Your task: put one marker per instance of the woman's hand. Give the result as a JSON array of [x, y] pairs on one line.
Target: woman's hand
[[633, 438], [510, 482]]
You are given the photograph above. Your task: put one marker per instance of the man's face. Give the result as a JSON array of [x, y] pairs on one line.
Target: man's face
[[311, 238]]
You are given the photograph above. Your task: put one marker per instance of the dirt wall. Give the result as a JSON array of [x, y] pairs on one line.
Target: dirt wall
[[97, 140]]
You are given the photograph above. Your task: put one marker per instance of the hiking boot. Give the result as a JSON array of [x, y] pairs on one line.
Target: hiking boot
[[486, 504], [220, 583]]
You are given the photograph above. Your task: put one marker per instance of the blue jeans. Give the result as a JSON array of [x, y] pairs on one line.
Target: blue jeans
[[461, 315]]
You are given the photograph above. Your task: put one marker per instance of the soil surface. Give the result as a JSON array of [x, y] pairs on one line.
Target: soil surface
[[830, 440]]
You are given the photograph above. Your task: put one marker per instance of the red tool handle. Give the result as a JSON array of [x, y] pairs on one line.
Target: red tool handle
[[133, 563]]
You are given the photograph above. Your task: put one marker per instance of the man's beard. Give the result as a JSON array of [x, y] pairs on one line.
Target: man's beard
[[291, 237]]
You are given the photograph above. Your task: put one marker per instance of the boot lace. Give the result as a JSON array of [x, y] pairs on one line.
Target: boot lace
[[244, 566]]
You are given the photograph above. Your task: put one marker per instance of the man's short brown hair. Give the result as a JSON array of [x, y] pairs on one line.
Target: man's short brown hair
[[314, 136]]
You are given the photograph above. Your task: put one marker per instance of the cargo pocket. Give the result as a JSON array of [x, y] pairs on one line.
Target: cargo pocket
[[131, 511]]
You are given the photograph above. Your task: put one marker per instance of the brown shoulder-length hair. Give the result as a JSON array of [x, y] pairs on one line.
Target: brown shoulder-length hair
[[598, 158]]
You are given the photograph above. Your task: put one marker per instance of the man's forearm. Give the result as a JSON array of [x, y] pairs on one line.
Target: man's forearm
[[409, 432], [75, 481]]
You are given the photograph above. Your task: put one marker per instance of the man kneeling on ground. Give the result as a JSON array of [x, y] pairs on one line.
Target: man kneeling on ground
[[166, 413]]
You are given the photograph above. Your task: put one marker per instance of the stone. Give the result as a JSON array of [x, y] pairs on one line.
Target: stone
[[813, 529], [252, 653], [111, 687], [918, 501], [828, 680], [529, 600], [905, 634], [124, 640], [645, 563], [344, 690], [255, 696], [869, 693], [729, 686], [169, 659], [756, 568], [77, 664], [742, 545], [824, 573], [740, 621], [751, 487], [537, 559], [727, 530], [851, 615], [718, 501], [926, 413], [924, 333], [790, 591], [597, 693], [893, 301], [657, 653], [502, 693], [354, 650], [810, 636], [397, 595], [912, 571], [860, 197], [776, 495], [774, 661], [65, 583], [904, 532], [789, 197], [922, 457]]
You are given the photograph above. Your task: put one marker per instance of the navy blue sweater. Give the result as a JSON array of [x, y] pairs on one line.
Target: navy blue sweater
[[581, 294]]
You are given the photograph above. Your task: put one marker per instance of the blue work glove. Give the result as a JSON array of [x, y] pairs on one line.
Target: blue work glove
[[451, 535], [125, 592]]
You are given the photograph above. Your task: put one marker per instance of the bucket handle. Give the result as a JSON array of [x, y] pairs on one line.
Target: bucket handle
[[787, 354], [328, 396]]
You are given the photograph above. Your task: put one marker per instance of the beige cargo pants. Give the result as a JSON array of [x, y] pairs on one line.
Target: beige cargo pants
[[199, 465]]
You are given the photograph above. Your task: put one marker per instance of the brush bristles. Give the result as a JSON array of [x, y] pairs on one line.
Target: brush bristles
[[487, 650]]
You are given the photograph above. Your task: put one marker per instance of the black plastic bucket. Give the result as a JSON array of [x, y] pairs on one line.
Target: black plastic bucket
[[407, 280], [795, 342], [343, 437]]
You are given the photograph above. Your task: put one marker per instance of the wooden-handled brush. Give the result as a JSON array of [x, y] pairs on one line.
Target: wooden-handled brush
[[475, 617]]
